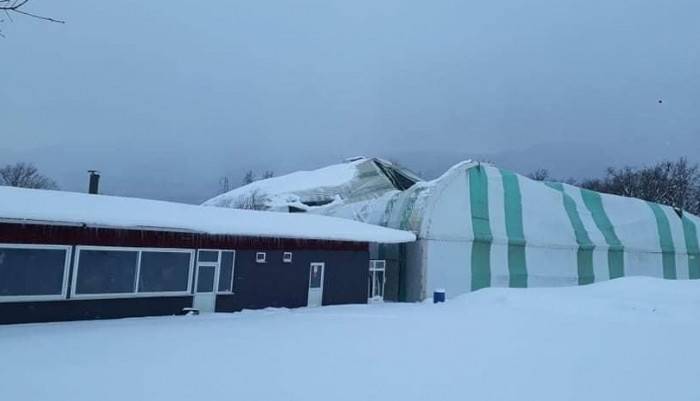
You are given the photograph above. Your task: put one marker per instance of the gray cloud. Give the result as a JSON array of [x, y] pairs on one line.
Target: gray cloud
[[164, 99]]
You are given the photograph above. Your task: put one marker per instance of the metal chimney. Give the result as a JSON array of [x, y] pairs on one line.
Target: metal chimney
[[94, 182]]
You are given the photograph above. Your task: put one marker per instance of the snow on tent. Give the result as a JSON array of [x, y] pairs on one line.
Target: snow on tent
[[480, 226]]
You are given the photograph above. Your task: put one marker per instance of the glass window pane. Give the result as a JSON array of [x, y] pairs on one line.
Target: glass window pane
[[316, 276], [164, 271], [208, 256], [105, 272], [205, 279], [378, 284], [226, 272], [25, 271]]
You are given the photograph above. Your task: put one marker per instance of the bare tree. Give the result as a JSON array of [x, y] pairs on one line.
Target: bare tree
[[225, 184], [18, 7], [540, 174], [25, 175], [252, 201], [249, 177], [674, 183]]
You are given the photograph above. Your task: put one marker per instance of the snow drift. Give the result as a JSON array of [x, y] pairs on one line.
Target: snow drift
[[626, 339]]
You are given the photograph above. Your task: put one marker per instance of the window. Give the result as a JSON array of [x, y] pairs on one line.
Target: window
[[33, 271], [102, 271], [208, 256], [316, 275], [110, 271], [260, 257], [287, 257], [226, 271], [205, 278], [377, 264], [164, 271], [215, 271]]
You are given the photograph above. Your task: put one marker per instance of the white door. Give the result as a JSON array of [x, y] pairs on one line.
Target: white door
[[205, 281], [316, 284]]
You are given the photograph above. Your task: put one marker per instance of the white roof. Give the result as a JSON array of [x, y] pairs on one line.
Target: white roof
[[101, 210]]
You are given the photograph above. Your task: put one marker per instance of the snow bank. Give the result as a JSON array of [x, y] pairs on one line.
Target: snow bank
[[77, 208], [628, 339]]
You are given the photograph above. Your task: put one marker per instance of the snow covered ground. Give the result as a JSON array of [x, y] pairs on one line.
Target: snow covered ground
[[628, 339]]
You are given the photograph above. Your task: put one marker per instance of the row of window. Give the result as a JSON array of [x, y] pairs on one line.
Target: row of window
[[41, 271], [261, 257]]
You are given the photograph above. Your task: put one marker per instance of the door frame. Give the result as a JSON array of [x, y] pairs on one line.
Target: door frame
[[217, 267], [373, 269], [319, 289]]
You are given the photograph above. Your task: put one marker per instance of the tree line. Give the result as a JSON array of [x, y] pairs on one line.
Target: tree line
[[673, 183], [25, 175], [249, 177]]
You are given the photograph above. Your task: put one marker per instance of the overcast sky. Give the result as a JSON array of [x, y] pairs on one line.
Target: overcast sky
[[166, 97]]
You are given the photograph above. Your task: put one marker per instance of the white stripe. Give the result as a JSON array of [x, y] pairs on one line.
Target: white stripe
[[499, 251], [591, 228]]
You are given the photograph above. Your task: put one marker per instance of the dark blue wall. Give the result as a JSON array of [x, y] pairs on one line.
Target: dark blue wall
[[272, 284], [84, 309], [278, 284], [256, 286]]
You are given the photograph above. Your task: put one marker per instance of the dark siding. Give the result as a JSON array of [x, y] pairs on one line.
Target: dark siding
[[226, 303], [272, 284], [278, 284], [53, 311], [345, 278]]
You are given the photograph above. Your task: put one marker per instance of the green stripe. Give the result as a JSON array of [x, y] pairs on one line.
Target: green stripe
[[584, 254], [690, 233], [668, 251], [481, 247], [517, 266], [594, 203], [410, 204], [388, 211]]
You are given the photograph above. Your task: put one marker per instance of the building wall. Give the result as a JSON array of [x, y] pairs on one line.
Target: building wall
[[416, 268], [391, 255], [278, 284], [256, 285], [86, 309]]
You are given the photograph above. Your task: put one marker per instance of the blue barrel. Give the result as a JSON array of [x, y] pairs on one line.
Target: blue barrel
[[438, 296]]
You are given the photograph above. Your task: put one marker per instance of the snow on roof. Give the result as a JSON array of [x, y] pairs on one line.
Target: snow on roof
[[356, 179], [113, 211], [332, 176]]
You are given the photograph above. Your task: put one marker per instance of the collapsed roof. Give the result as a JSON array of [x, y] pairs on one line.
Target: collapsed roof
[[357, 179]]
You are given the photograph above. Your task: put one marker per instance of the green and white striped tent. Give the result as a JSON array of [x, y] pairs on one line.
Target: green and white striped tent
[[480, 226]]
